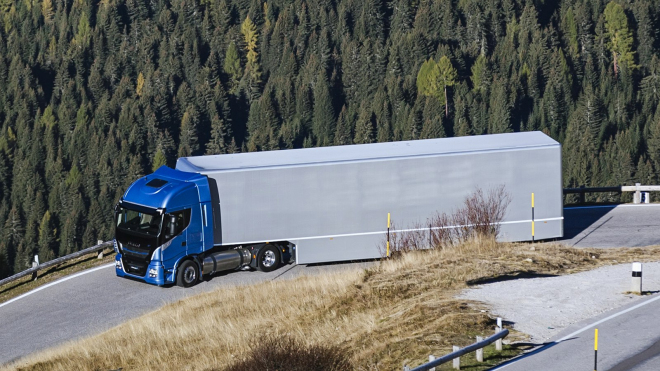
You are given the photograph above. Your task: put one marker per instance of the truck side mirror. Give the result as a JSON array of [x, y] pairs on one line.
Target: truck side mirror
[[172, 225]]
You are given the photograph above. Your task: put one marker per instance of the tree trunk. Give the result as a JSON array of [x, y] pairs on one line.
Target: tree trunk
[[446, 103], [616, 66]]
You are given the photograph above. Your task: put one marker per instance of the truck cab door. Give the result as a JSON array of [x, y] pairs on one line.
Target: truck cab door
[[175, 236], [195, 236]]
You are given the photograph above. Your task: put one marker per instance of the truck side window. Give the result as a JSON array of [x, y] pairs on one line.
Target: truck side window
[[181, 221]]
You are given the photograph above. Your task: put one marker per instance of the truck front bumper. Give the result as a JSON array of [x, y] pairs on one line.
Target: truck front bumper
[[154, 275]]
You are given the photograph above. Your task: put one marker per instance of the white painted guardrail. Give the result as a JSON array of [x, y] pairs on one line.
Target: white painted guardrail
[[98, 249], [500, 333]]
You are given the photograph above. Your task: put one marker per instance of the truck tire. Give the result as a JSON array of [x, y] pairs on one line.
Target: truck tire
[[268, 258], [187, 275]]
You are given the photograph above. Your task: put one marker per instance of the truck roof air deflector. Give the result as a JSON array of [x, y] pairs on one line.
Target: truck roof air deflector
[[156, 183]]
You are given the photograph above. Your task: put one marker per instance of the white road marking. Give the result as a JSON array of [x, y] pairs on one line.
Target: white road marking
[[55, 283], [585, 328]]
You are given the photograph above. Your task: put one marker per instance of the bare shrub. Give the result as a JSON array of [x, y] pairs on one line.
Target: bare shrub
[[481, 214], [479, 217], [285, 353]]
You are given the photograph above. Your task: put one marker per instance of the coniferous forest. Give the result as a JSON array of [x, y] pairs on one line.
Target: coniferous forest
[[94, 94]]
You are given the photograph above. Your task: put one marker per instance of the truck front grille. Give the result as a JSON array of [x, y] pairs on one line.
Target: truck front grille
[[135, 267]]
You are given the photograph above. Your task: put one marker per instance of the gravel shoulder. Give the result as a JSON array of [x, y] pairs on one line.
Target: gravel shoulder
[[543, 307]]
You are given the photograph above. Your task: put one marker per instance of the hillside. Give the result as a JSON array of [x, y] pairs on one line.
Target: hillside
[[396, 312], [95, 94]]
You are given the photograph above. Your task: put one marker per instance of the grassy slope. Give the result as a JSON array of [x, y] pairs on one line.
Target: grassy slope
[[396, 313], [25, 284]]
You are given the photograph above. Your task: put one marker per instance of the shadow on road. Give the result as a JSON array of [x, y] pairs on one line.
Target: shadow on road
[[509, 277], [637, 359], [542, 347], [578, 220]]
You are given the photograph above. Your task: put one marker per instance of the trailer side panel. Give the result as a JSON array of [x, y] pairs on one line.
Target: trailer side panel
[[338, 211]]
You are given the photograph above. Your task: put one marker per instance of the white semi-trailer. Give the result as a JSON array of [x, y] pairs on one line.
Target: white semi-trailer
[[324, 204]]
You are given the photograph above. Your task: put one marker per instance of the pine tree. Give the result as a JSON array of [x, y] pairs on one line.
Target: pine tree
[[500, 110], [47, 237], [232, 65], [323, 116], [480, 75], [343, 135], [364, 128], [188, 139], [434, 78], [620, 39], [159, 160], [219, 134], [252, 75]]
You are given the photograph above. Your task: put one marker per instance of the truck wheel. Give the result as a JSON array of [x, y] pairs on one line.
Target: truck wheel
[[187, 274], [268, 258]]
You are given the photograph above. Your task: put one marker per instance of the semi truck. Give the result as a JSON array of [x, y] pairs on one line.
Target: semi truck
[[259, 210]]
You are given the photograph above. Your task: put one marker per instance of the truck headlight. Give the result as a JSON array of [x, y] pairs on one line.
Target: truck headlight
[[153, 273], [118, 264]]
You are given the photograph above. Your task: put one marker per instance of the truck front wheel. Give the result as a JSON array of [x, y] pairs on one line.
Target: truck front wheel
[[268, 258], [187, 275]]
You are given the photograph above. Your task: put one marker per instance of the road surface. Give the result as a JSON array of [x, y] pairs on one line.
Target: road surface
[[609, 226]]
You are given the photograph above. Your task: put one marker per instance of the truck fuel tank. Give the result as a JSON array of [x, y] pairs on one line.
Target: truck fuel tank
[[226, 260]]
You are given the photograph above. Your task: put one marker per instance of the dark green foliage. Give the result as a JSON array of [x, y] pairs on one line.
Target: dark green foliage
[[93, 95]]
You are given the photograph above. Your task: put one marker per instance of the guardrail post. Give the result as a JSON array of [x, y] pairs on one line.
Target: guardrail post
[[456, 361], [636, 278], [35, 264], [98, 242], [498, 329], [582, 192], [480, 352], [431, 359], [638, 194]]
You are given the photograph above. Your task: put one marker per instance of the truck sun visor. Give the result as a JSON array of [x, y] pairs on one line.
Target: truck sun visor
[[156, 183]]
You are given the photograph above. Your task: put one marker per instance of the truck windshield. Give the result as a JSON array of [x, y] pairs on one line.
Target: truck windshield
[[135, 221]]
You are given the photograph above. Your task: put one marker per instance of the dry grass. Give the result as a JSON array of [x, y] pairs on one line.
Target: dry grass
[[396, 313]]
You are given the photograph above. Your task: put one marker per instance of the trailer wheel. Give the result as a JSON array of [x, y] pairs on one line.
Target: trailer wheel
[[187, 274], [268, 258]]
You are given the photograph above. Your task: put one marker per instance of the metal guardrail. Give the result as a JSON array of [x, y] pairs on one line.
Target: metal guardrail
[[637, 188], [94, 249], [500, 334], [583, 189]]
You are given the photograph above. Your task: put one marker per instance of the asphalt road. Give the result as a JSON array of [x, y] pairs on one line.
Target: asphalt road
[[629, 337], [98, 300], [608, 226]]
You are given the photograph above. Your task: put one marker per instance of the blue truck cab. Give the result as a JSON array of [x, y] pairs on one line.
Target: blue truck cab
[[162, 220], [164, 232]]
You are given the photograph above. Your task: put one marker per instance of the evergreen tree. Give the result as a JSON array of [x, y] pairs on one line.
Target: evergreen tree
[[343, 135], [323, 116], [364, 128], [620, 39]]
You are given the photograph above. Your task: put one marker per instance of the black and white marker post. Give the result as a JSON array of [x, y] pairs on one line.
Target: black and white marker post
[[636, 278]]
